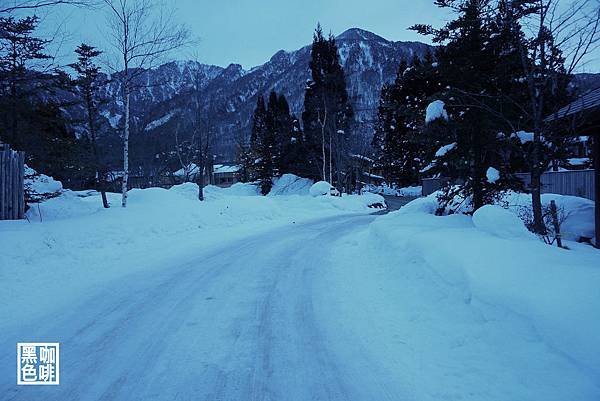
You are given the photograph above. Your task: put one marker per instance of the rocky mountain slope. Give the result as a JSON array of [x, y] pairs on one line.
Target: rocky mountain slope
[[229, 94]]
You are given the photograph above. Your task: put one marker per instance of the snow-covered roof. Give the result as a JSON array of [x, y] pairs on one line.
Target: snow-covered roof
[[588, 101], [225, 168]]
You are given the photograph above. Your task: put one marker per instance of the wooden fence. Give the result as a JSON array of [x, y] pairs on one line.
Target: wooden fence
[[12, 191], [575, 182]]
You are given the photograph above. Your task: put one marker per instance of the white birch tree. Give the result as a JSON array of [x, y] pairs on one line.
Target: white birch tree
[[142, 33]]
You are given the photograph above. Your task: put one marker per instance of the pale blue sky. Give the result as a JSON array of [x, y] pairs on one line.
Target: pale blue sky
[[249, 32]]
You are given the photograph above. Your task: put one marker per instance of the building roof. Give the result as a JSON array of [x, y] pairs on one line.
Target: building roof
[[588, 101]]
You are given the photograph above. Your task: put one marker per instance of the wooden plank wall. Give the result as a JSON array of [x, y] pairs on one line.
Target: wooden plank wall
[[12, 191], [576, 183]]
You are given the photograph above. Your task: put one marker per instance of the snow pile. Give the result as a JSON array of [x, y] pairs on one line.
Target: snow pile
[[290, 184], [492, 175], [411, 191], [321, 188], [435, 110], [501, 223], [483, 308]]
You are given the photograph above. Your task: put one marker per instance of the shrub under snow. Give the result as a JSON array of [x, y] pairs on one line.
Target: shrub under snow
[[500, 222]]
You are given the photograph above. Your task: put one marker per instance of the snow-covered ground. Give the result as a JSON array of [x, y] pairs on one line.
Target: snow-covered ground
[[296, 297], [462, 308], [71, 244]]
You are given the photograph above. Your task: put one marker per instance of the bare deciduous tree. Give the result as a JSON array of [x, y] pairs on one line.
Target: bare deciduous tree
[[141, 32], [570, 27], [32, 5]]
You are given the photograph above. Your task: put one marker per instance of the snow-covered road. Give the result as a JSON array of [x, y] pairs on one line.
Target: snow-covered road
[[337, 308], [236, 323]]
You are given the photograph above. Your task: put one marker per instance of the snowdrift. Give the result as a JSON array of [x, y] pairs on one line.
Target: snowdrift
[[491, 259]]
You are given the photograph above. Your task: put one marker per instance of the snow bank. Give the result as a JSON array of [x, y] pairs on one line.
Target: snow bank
[[290, 184], [575, 214], [463, 314], [435, 110], [491, 262]]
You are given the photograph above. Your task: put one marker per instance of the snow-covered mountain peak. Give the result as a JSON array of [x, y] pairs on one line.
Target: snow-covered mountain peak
[[357, 34]]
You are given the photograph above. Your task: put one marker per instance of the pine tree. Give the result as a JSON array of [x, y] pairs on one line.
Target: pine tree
[[19, 49], [399, 143], [476, 69], [88, 84], [275, 142], [327, 116]]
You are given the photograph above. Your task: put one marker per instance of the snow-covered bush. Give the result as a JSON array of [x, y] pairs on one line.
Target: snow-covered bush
[[575, 215], [39, 187], [500, 222]]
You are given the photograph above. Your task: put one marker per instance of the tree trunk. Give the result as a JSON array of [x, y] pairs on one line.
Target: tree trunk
[[330, 164], [125, 149], [201, 181], [536, 186], [103, 193]]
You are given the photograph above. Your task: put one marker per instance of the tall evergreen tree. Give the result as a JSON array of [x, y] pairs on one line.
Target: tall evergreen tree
[[88, 84], [399, 143], [19, 51], [475, 67], [275, 142], [327, 117]]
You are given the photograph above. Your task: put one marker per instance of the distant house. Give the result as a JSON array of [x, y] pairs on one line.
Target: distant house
[[222, 175], [225, 175], [583, 115]]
